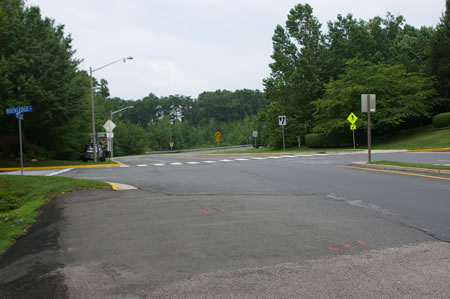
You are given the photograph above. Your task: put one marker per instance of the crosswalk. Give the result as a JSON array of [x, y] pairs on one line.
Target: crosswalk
[[229, 160]]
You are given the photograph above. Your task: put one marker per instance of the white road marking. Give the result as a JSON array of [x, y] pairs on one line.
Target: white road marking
[[59, 172], [226, 160], [258, 158], [274, 157], [176, 163], [241, 159], [288, 156], [193, 163], [142, 165], [124, 166], [159, 164], [209, 162]]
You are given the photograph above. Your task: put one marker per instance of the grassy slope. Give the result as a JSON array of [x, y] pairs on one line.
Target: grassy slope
[[419, 138], [33, 191], [6, 164]]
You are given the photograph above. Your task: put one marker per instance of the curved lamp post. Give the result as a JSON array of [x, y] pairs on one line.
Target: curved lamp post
[[92, 101], [114, 112]]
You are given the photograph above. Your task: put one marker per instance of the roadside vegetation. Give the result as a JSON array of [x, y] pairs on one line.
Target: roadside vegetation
[[316, 80], [15, 164], [21, 196], [415, 165]]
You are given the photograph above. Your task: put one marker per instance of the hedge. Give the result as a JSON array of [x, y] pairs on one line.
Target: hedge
[[441, 120], [321, 140]]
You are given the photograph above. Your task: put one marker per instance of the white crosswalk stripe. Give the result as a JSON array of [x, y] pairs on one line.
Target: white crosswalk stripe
[[241, 159], [159, 164], [209, 162], [176, 163], [193, 163], [142, 165], [258, 158], [226, 160]]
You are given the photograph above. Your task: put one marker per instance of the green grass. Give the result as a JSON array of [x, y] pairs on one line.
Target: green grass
[[416, 165], [10, 164], [303, 149], [419, 138], [31, 192]]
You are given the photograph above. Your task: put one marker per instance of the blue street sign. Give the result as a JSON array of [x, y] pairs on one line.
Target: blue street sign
[[19, 116], [16, 110]]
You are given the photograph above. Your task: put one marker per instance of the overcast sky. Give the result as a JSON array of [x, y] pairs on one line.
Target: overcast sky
[[190, 46]]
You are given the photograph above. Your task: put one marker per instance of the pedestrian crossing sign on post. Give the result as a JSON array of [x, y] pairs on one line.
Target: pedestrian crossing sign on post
[[352, 127], [352, 118]]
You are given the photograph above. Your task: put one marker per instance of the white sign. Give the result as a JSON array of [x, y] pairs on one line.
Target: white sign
[[255, 134], [109, 126], [99, 134], [373, 98], [109, 135], [282, 120]]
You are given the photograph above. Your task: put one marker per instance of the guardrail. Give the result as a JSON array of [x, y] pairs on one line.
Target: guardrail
[[201, 149]]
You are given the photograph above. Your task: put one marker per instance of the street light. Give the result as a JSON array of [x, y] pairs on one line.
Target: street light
[[92, 101], [111, 142]]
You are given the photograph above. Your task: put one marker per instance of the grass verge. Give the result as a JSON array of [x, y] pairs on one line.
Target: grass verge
[[416, 165], [21, 196], [14, 164], [303, 149]]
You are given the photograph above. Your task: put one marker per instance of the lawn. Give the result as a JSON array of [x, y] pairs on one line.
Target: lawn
[[415, 165], [20, 196], [14, 164]]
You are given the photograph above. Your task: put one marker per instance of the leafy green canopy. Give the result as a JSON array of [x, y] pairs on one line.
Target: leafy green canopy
[[401, 96], [37, 68]]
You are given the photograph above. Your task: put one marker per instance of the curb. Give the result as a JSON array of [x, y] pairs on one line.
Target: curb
[[400, 168], [430, 150], [59, 167]]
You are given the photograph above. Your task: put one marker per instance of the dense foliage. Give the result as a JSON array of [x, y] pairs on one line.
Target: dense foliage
[[441, 120], [316, 80]]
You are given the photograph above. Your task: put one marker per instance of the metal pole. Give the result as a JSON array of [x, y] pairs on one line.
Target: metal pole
[[111, 142], [255, 142], [369, 130], [20, 142], [353, 131], [284, 146], [93, 117]]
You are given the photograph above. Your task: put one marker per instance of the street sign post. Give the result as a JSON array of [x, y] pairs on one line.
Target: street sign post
[[217, 137], [352, 118], [368, 104], [18, 111], [282, 122], [255, 135], [109, 127]]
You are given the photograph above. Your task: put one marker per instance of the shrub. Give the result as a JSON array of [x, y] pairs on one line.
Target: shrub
[[322, 140], [316, 140], [441, 120], [8, 202]]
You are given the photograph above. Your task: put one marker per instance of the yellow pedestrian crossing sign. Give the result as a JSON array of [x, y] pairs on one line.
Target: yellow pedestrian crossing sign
[[352, 118], [352, 127]]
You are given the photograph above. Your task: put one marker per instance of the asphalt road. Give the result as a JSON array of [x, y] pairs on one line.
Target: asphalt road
[[241, 226]]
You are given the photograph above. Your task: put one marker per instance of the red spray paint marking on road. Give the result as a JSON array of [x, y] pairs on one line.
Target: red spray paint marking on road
[[220, 209], [204, 212], [347, 245], [332, 248], [361, 243]]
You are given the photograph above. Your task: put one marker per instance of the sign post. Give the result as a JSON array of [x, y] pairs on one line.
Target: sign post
[[352, 118], [282, 122], [217, 137], [255, 134], [109, 127], [368, 104], [18, 112]]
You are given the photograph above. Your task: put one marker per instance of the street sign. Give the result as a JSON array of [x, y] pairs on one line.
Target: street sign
[[255, 134], [19, 116], [352, 118], [282, 120], [109, 126], [352, 127], [99, 134], [217, 134], [373, 102], [171, 144], [16, 110], [108, 134], [217, 138]]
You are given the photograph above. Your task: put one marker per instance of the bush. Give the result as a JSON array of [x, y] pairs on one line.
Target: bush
[[8, 202], [441, 120], [322, 140]]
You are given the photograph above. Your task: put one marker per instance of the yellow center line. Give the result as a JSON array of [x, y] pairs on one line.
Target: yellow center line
[[398, 172]]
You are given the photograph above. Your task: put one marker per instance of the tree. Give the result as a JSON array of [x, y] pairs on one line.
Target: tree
[[401, 96], [37, 68]]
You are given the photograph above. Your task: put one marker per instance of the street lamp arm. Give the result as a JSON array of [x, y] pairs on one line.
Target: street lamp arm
[[128, 107], [122, 59]]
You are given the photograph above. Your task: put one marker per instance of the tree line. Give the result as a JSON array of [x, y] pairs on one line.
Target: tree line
[[316, 80]]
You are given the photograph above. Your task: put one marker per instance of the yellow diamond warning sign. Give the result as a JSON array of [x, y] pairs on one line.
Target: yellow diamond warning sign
[[352, 118]]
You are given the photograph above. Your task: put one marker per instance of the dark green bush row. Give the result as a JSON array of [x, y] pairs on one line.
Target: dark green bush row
[[441, 120], [322, 140], [8, 201]]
